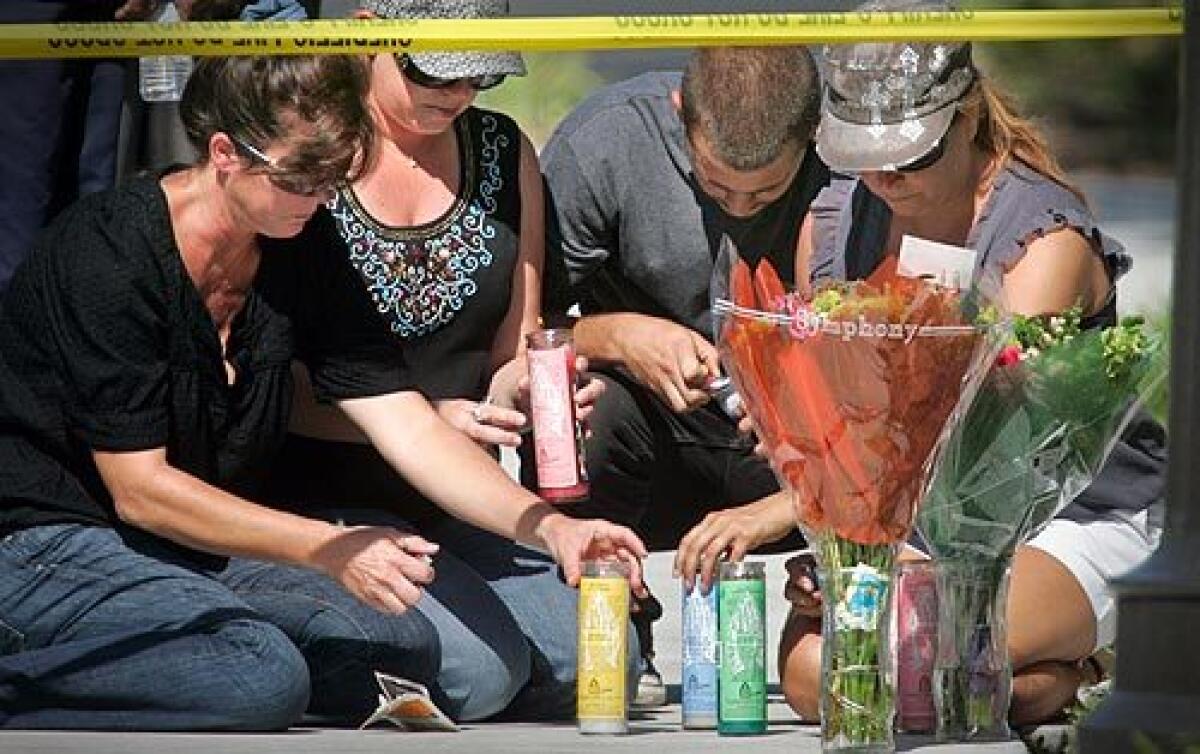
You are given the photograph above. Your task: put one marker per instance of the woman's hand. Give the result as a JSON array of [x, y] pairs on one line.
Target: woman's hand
[[509, 385], [801, 588], [588, 390], [732, 533], [485, 422], [571, 541], [510, 389], [381, 566]]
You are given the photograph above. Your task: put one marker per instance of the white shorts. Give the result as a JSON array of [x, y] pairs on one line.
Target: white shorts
[[1098, 548]]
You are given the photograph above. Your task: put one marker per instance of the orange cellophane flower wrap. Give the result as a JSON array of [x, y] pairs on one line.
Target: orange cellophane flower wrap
[[850, 394], [850, 407]]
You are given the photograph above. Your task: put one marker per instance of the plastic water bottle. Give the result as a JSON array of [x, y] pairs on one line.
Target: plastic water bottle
[[161, 78]]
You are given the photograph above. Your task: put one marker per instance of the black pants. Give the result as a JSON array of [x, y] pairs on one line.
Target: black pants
[[659, 473]]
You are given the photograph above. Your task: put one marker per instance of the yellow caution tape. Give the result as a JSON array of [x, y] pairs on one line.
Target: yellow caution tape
[[101, 40]]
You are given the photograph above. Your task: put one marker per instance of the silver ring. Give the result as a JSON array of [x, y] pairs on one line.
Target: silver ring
[[477, 412]]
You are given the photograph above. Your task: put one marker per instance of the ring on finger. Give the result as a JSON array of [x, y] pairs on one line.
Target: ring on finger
[[477, 411]]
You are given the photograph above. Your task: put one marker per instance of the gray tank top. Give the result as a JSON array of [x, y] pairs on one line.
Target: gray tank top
[[850, 230]]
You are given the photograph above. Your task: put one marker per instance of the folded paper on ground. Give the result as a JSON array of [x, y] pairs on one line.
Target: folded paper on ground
[[407, 705]]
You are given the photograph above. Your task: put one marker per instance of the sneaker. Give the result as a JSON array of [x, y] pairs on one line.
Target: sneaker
[[651, 691]]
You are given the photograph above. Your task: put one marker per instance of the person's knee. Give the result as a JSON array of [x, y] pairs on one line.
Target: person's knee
[[480, 680], [1065, 634], [260, 681], [409, 640], [1043, 690], [543, 610], [800, 665], [346, 645]]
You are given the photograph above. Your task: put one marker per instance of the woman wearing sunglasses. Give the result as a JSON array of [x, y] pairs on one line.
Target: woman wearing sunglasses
[[443, 234], [933, 149], [146, 351], [143, 378]]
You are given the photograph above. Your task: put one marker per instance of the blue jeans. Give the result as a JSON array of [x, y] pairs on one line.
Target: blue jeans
[[507, 622], [100, 629]]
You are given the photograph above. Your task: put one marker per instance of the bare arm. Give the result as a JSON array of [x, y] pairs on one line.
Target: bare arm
[[736, 531], [525, 299], [666, 357], [449, 469], [445, 466], [733, 533], [500, 421], [1059, 270], [380, 566]]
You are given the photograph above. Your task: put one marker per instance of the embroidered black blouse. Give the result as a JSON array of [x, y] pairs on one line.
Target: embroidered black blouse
[[440, 289]]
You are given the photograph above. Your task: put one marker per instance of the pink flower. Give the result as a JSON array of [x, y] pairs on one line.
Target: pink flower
[[1009, 355]]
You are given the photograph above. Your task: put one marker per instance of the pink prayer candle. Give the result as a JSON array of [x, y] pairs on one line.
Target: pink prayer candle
[[557, 439]]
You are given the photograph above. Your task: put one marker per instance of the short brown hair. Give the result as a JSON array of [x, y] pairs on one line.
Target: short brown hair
[[750, 103], [256, 99]]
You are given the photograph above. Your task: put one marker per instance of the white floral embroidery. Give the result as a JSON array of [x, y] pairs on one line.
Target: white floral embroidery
[[420, 278]]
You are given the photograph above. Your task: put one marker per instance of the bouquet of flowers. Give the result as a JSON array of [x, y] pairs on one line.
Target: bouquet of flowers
[[850, 395], [1039, 429]]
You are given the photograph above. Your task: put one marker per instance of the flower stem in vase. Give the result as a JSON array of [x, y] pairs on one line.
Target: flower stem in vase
[[857, 704], [973, 675]]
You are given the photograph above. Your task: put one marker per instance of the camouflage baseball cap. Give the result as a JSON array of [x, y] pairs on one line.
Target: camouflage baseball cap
[[887, 104], [453, 65]]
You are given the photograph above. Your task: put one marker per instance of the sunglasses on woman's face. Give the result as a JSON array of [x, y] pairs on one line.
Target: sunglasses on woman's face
[[425, 81], [292, 183], [927, 160], [930, 158]]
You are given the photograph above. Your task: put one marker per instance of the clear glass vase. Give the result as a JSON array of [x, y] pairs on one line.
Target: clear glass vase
[[857, 701], [972, 677]]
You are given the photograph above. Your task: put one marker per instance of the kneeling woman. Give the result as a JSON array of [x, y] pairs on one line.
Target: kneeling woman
[[940, 154], [145, 351]]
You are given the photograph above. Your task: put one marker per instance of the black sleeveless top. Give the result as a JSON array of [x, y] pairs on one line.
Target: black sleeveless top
[[442, 288]]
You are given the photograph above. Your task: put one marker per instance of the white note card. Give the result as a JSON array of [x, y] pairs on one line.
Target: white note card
[[944, 263]]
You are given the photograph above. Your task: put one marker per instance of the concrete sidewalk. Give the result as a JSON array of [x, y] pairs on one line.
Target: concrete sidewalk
[[658, 731]]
